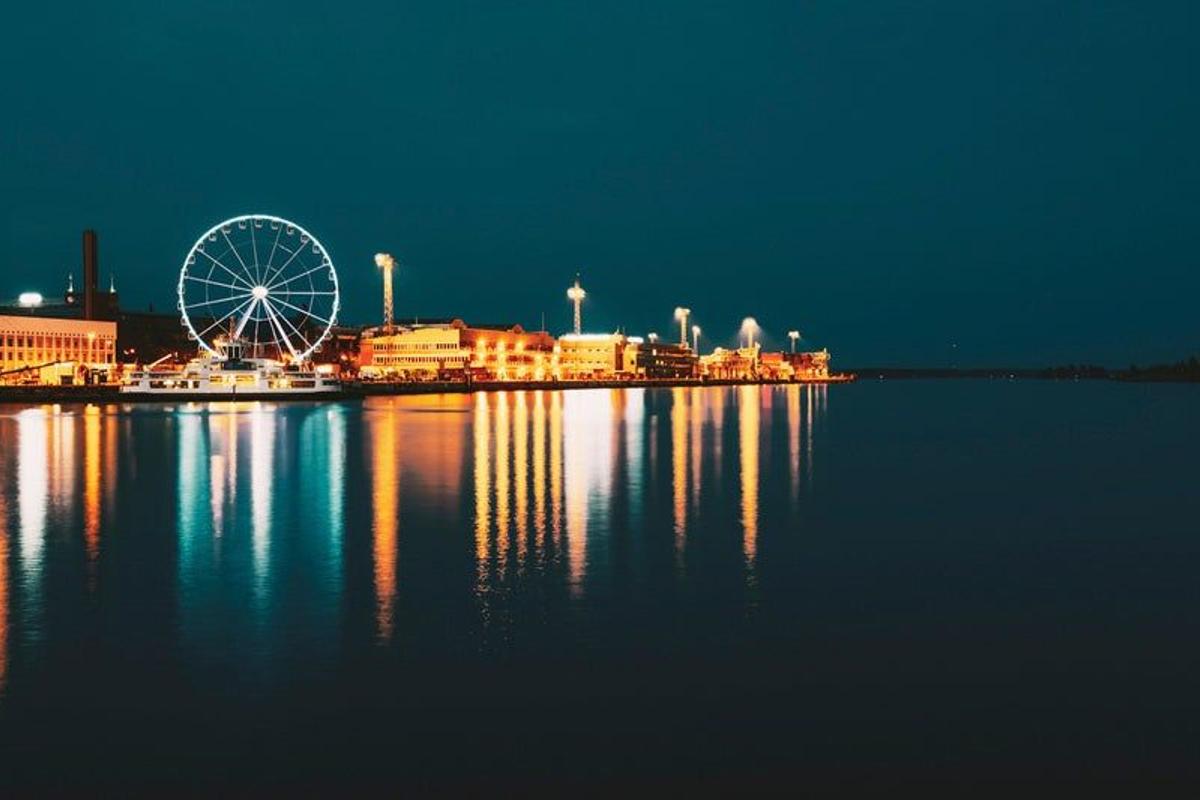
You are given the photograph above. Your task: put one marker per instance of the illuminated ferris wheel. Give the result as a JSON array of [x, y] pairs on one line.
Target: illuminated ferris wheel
[[261, 279]]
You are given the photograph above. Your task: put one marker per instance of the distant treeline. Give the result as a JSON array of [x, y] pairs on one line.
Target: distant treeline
[[1188, 370]]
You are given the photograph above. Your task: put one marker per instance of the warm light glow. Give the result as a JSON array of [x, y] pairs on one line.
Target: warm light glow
[[556, 464], [29, 299], [502, 454], [793, 422], [91, 481], [521, 472], [748, 422], [681, 314], [749, 330], [679, 468], [482, 468], [385, 504], [539, 468]]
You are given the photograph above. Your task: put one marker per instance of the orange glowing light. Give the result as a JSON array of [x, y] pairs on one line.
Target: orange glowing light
[[521, 472], [679, 467], [91, 481], [385, 502], [748, 423]]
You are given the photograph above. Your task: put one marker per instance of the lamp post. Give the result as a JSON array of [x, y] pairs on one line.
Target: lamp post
[[696, 339], [681, 314], [387, 264], [576, 294], [793, 335], [653, 337]]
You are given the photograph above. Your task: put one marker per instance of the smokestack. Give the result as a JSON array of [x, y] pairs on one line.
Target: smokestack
[[91, 273]]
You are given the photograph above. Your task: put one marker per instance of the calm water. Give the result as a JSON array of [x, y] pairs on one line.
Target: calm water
[[904, 579]]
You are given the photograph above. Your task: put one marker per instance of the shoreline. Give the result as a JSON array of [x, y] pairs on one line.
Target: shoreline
[[111, 394]]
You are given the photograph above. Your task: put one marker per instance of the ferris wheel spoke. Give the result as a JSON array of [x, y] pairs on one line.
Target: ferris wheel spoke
[[274, 317], [236, 309], [279, 271], [229, 299], [303, 311], [295, 277], [237, 334], [307, 345], [238, 256], [216, 283], [271, 329], [274, 246], [236, 277], [254, 249]]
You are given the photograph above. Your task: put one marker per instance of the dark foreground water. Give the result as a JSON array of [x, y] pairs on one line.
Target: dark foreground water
[[730, 586]]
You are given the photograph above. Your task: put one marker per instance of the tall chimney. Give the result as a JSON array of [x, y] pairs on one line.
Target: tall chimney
[[91, 273]]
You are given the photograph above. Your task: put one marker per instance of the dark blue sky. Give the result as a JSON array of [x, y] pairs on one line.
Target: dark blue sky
[[1019, 179]]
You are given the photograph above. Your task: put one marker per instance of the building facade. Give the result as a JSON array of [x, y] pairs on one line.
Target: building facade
[[658, 360], [450, 349], [594, 356], [809, 366], [54, 350], [730, 365]]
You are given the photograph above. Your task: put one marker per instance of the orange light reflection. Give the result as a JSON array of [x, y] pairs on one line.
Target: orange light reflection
[[384, 502]]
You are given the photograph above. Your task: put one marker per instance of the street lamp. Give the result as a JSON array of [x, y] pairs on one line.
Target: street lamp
[[681, 314], [653, 337], [696, 339], [387, 264], [793, 335]]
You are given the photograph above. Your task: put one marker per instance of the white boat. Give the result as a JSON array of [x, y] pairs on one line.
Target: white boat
[[230, 374]]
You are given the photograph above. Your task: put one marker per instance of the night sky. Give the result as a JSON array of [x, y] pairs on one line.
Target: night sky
[[918, 183]]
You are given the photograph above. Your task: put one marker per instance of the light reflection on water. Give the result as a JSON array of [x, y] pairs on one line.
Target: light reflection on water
[[666, 569], [273, 502]]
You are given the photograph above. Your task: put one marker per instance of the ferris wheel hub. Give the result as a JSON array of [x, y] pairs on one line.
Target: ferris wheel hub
[[259, 292]]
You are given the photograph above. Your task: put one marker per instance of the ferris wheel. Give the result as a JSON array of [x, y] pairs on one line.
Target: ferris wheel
[[261, 279]]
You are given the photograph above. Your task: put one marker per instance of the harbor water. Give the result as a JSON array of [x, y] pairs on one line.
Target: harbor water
[[935, 580]]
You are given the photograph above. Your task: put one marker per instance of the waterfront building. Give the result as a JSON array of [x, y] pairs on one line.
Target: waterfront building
[[445, 349], [596, 356], [809, 366], [749, 363], [659, 360], [56, 350], [737, 365]]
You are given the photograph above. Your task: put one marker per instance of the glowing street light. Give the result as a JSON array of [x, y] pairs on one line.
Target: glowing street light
[[681, 314], [653, 337], [29, 299], [576, 294], [749, 327], [387, 264], [793, 335], [696, 339]]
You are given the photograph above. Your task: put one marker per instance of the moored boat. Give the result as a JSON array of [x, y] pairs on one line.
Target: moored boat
[[229, 373]]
